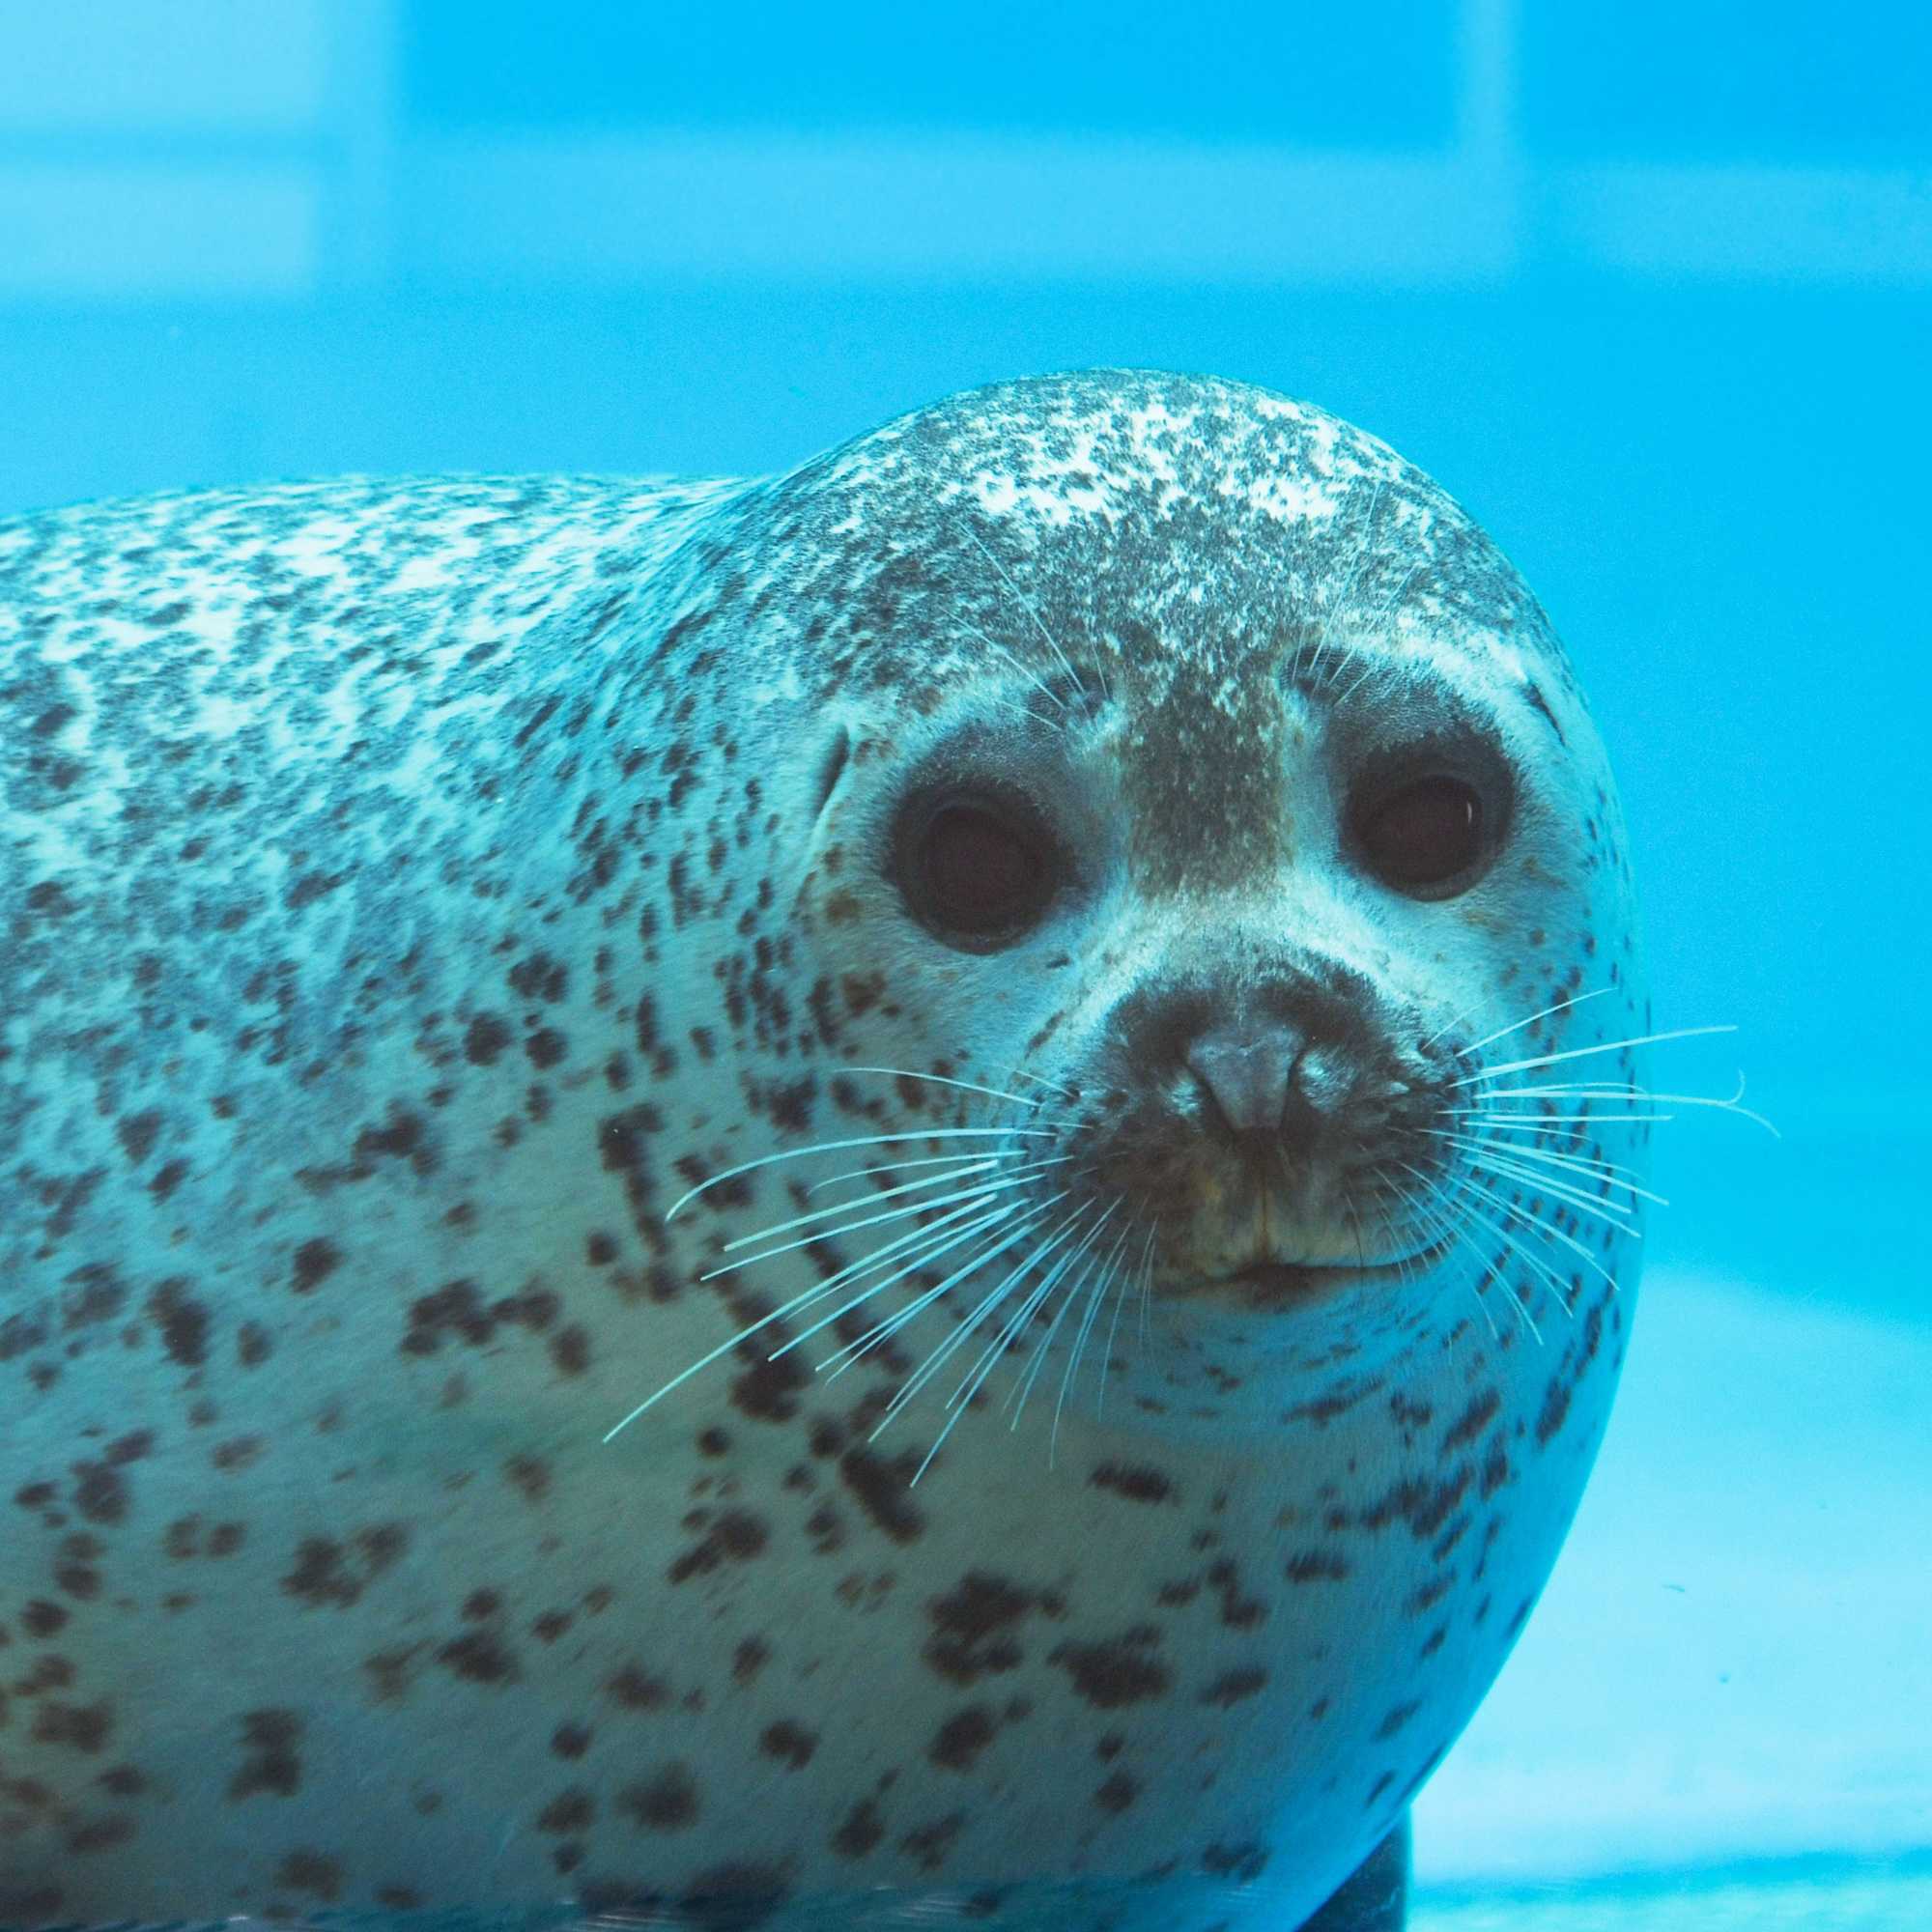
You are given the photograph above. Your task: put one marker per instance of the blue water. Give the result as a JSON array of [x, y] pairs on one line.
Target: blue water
[[1664, 324]]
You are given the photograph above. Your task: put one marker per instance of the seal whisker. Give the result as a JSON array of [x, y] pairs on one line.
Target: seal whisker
[[1612, 1214], [1356, 1223], [1145, 1271], [1147, 1286], [1033, 676], [979, 1166], [895, 1166], [1514, 1162], [1540, 1122], [1065, 1093], [1022, 1386], [1039, 623], [982, 1191], [1610, 1171], [1516, 1026], [926, 1256], [1368, 671], [1009, 1331], [1586, 1052], [803, 1300], [1497, 1273], [986, 1304], [1426, 1203], [1337, 600], [929, 1135], [1449, 1025], [1461, 1220], [942, 1080], [998, 1183], [961, 1398], [1094, 1300], [1632, 1094], [919, 1305], [1016, 1327], [1468, 1182], [1467, 1215]]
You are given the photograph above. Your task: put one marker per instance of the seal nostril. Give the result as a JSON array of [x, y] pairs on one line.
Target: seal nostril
[[1323, 1077]]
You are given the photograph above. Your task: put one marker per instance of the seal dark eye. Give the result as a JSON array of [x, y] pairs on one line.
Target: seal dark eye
[[976, 869], [1422, 837]]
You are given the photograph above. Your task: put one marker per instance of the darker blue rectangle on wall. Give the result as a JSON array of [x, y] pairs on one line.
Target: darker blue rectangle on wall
[[1739, 80], [1221, 71]]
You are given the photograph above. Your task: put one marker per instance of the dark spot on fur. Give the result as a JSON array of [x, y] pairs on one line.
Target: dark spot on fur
[[81, 1728], [182, 1321], [311, 1872], [1396, 1719], [1117, 1670], [1312, 1566], [272, 1764], [99, 1494], [882, 1491], [570, 1810], [1138, 1484], [792, 1743], [736, 1537], [666, 1803], [315, 1261], [529, 1475], [1231, 1686], [1473, 1420], [540, 978], [635, 1689], [859, 1832], [962, 1737], [933, 1844], [480, 1658], [330, 1575], [1245, 1862], [310, 887], [485, 1039], [976, 1628], [1555, 1409]]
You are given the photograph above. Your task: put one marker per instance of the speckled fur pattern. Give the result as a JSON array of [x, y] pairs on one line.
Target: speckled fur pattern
[[409, 890]]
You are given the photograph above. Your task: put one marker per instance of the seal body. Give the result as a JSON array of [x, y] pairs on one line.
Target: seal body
[[940, 968]]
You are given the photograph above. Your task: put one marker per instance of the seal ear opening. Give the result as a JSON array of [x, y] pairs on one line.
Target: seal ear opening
[[832, 763]]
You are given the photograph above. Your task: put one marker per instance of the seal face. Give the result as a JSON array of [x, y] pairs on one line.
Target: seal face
[[913, 1175]]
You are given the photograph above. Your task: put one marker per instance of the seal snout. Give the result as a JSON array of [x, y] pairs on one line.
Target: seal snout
[[1265, 1116]]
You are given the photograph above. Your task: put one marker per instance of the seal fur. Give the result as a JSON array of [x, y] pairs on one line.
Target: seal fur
[[413, 889]]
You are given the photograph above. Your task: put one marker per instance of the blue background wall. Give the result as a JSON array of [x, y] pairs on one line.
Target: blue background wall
[[1646, 286]]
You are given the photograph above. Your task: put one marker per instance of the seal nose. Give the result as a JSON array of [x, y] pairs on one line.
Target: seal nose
[[1267, 1077], [1248, 1071]]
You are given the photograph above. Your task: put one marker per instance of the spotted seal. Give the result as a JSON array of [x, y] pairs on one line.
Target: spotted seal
[[914, 1176]]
